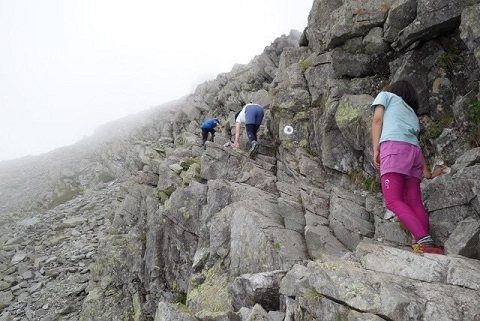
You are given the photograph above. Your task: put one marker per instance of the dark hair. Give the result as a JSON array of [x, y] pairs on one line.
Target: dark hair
[[236, 115], [406, 91]]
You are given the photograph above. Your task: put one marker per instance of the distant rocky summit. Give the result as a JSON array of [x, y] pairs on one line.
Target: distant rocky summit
[[140, 222]]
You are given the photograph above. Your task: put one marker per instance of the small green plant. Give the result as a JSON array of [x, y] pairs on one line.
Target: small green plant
[[433, 132], [181, 298], [474, 123], [474, 112], [276, 246], [368, 183], [371, 184], [308, 149], [169, 190], [448, 59], [300, 199], [187, 163], [143, 238], [312, 294], [180, 140], [305, 64], [436, 128]]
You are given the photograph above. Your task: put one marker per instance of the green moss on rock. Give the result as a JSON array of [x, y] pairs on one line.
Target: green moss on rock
[[210, 298]]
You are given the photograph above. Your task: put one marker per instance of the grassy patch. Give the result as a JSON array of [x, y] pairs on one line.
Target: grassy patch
[[448, 59], [181, 298], [368, 183], [188, 162], [164, 195], [106, 177], [169, 190], [305, 64], [210, 298], [474, 123], [64, 196], [308, 149], [436, 128]]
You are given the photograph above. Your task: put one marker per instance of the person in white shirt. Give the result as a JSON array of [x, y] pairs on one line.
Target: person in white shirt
[[252, 116]]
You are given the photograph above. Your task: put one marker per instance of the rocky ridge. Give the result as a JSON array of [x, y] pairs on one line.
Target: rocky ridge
[[144, 224]]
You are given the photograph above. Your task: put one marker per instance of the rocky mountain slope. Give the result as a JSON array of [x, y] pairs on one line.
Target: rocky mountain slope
[[139, 222]]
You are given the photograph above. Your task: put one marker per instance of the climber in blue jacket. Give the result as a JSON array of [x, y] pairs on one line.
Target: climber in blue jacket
[[208, 126]]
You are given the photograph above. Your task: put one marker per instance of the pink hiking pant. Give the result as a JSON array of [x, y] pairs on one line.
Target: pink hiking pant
[[403, 197]]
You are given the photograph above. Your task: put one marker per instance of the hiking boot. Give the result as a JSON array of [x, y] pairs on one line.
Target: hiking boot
[[254, 149], [425, 248]]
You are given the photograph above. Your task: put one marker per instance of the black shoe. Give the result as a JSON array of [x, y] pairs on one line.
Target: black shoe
[[254, 149]]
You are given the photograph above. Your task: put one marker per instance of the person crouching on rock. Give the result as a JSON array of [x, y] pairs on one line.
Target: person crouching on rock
[[208, 126], [252, 116]]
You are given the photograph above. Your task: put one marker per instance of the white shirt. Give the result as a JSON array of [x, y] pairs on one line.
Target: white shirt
[[241, 116]]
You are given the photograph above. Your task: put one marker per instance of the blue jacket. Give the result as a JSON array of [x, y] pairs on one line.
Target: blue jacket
[[209, 124]]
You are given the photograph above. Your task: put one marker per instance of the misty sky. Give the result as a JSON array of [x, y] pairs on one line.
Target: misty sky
[[68, 66]]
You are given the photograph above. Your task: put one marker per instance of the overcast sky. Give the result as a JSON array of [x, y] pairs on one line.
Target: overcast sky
[[68, 66]]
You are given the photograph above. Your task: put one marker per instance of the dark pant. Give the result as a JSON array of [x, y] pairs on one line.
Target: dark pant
[[252, 130], [205, 132]]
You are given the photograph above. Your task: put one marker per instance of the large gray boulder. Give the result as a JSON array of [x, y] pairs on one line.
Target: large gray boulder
[[434, 18], [336, 287], [469, 29]]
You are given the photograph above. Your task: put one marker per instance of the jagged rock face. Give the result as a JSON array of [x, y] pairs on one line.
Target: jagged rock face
[[378, 287], [139, 222]]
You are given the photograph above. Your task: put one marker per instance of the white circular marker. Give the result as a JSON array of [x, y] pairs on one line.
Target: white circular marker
[[288, 130]]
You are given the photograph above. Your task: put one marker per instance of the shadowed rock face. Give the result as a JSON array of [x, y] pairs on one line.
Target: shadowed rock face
[[139, 222]]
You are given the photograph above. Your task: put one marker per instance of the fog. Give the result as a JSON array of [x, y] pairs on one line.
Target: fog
[[69, 66]]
